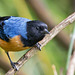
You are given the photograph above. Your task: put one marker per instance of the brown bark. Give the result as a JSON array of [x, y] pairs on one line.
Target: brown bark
[[45, 16], [46, 39]]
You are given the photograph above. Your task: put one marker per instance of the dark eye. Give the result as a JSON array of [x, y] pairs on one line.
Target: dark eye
[[37, 28], [41, 28]]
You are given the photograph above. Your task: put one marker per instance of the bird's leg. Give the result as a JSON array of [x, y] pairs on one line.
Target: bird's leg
[[12, 63], [38, 46]]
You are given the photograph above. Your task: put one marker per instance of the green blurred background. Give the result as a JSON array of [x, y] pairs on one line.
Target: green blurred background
[[55, 52]]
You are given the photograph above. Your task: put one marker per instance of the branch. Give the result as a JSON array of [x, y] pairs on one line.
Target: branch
[[47, 38], [46, 16], [71, 65], [5, 66], [54, 69]]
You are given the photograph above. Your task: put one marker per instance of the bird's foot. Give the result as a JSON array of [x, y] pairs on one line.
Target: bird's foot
[[38, 46], [14, 65]]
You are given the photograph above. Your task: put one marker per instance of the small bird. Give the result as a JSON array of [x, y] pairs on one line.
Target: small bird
[[17, 34]]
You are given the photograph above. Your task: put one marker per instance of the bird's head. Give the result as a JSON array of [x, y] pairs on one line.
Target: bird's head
[[36, 30]]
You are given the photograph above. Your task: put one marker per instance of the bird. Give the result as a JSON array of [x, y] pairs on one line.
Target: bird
[[18, 33]]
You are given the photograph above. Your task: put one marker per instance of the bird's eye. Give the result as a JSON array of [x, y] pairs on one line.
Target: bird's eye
[[37, 28], [41, 28]]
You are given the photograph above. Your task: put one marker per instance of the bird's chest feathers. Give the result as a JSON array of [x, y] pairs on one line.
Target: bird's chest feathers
[[14, 44]]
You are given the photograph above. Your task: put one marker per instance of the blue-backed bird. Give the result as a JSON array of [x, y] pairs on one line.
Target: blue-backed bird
[[17, 33]]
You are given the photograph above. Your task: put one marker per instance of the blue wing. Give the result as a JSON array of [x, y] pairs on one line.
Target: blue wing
[[12, 26], [15, 26], [2, 34]]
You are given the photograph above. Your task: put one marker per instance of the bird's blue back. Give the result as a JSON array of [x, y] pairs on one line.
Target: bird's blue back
[[15, 26]]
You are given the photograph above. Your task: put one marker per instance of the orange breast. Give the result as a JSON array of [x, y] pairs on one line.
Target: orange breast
[[14, 44]]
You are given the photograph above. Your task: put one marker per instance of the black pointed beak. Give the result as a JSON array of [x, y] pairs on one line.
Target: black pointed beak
[[46, 31]]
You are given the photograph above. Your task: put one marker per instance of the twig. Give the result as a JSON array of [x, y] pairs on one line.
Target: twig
[[71, 65], [61, 71], [54, 70], [70, 48], [71, 59], [45, 15], [5, 66], [47, 38]]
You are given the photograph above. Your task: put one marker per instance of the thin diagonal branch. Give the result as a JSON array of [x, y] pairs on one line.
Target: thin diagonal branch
[[46, 16], [5, 66], [71, 68], [47, 38]]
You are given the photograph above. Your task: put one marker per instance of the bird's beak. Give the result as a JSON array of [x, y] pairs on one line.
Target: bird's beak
[[46, 31]]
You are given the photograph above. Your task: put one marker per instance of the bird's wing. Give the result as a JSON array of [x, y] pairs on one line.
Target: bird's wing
[[2, 34], [12, 26]]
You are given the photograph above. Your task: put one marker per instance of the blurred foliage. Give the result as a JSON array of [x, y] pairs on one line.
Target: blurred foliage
[[53, 52]]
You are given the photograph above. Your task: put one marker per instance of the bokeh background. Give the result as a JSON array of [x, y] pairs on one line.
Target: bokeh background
[[55, 52]]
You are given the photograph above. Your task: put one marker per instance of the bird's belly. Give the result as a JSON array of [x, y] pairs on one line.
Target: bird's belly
[[14, 44]]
